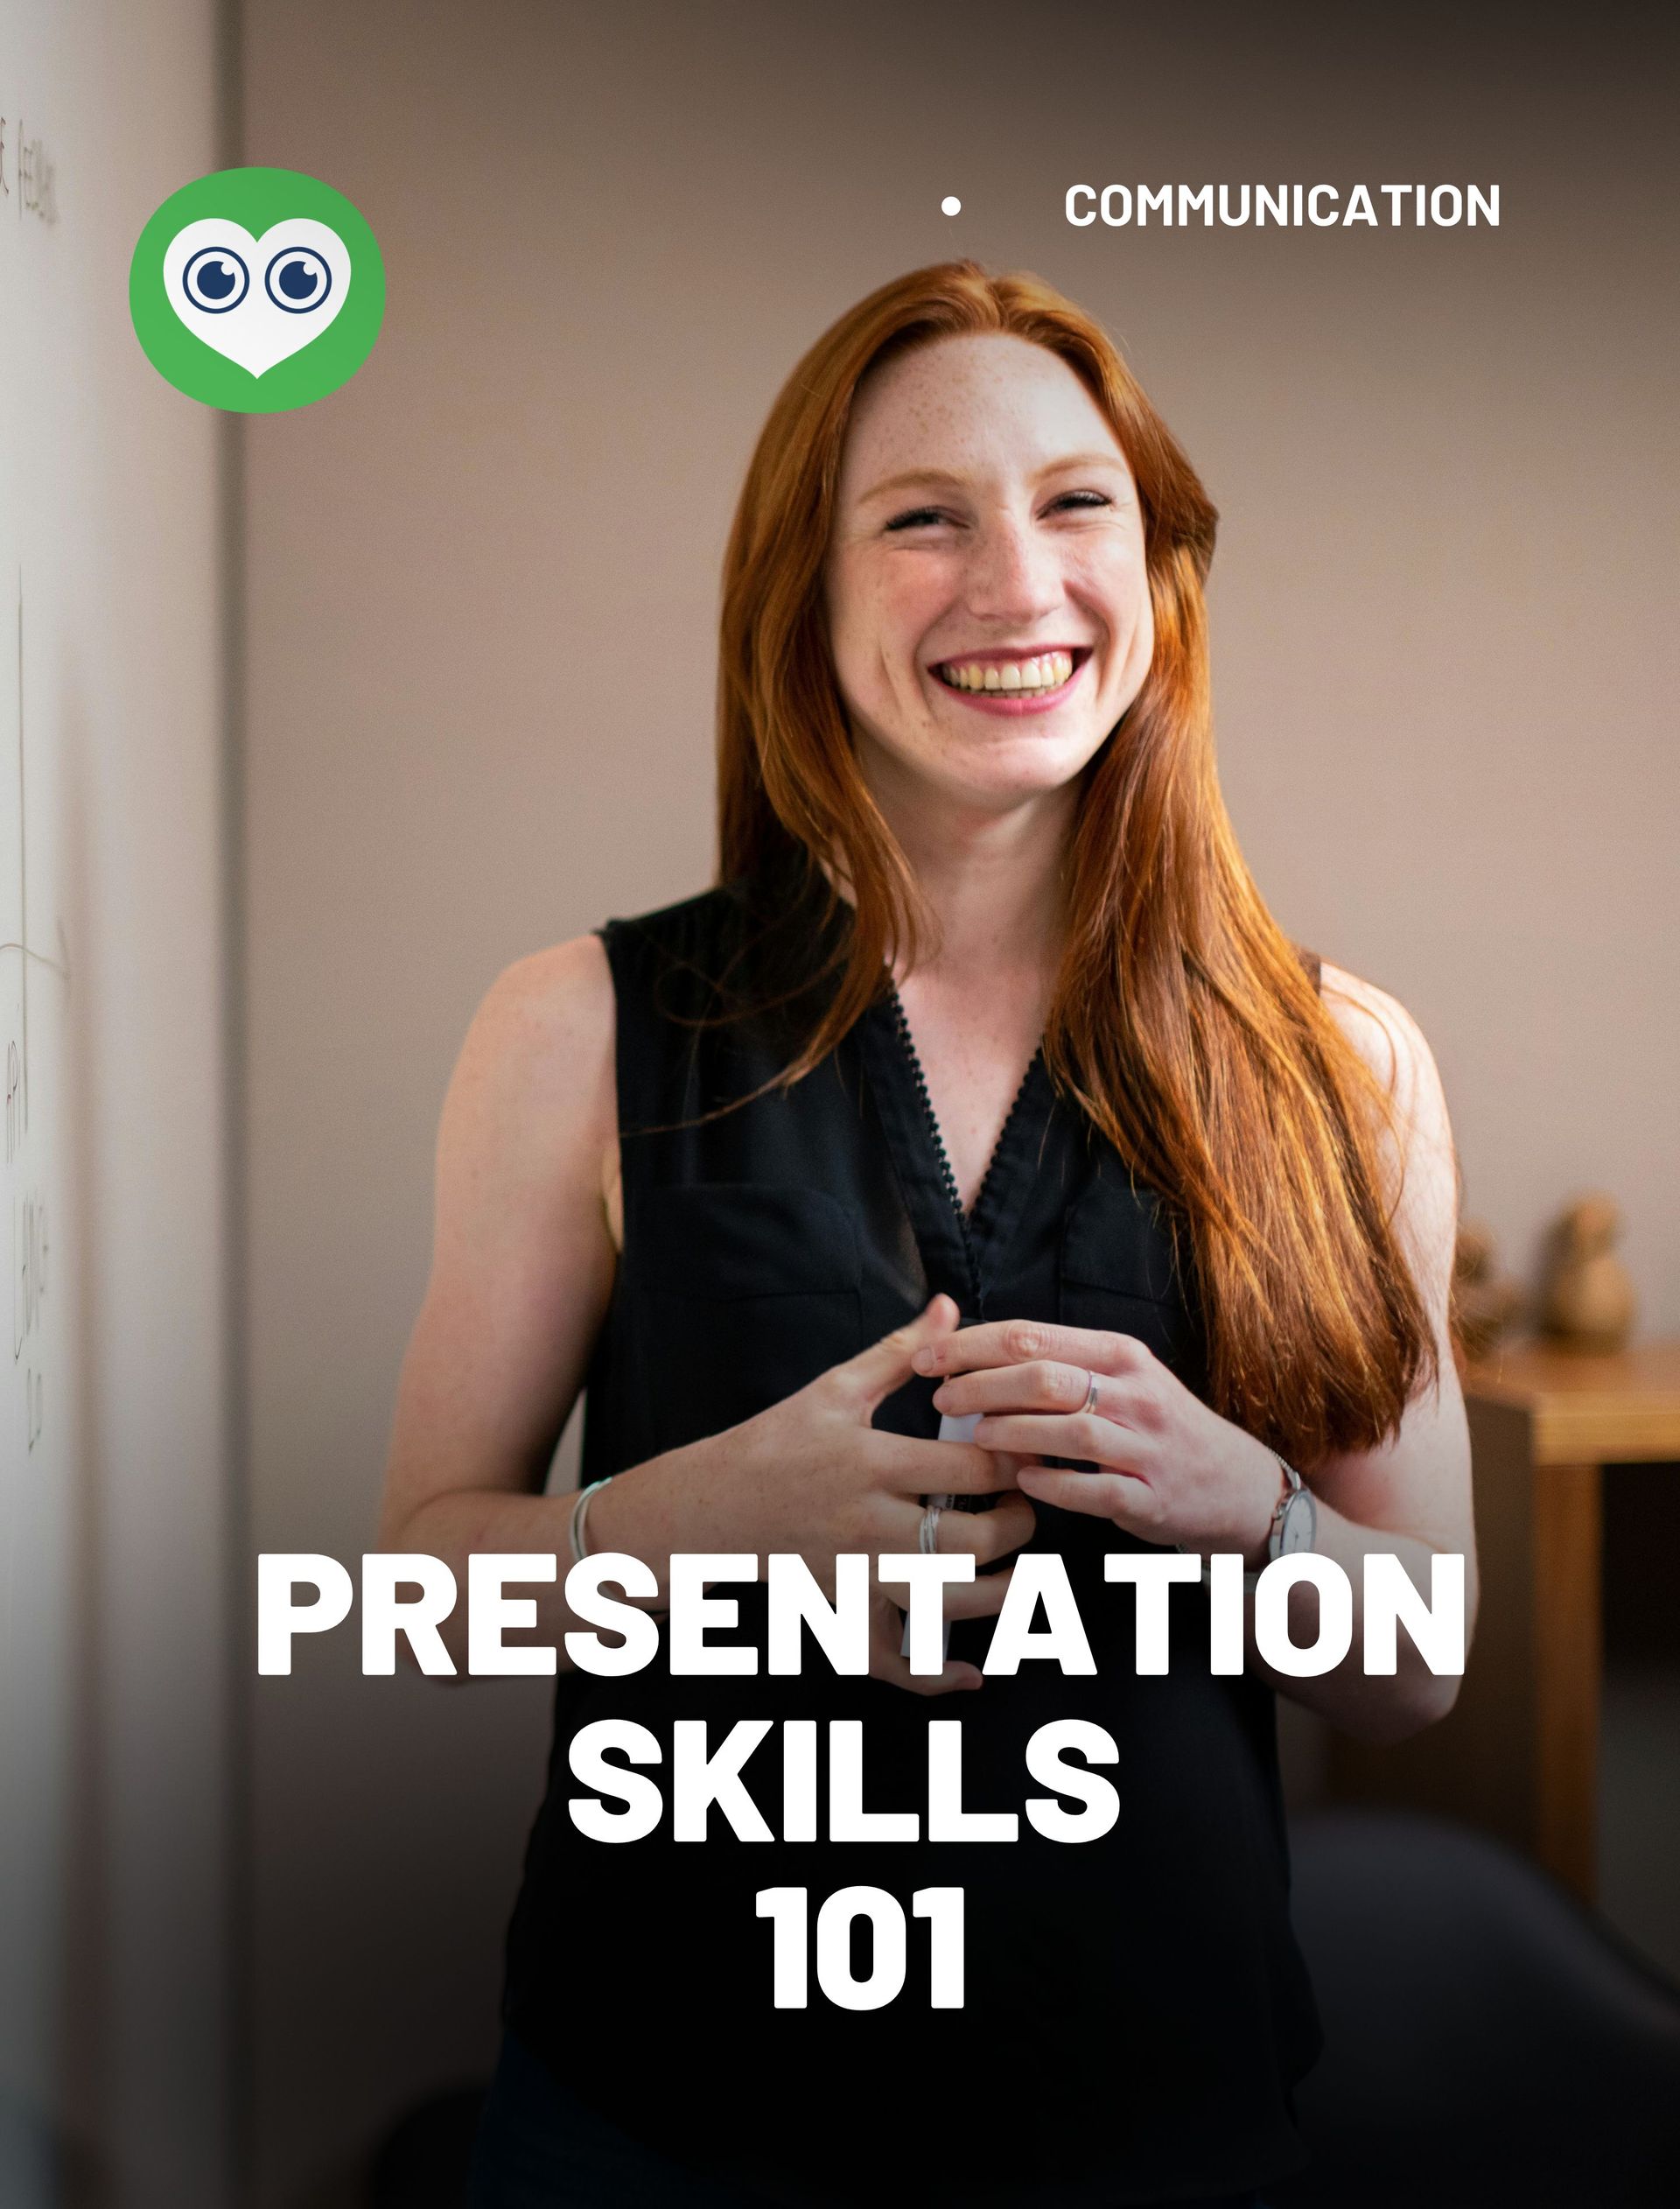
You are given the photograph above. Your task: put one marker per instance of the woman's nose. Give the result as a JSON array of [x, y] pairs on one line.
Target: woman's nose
[[1014, 576]]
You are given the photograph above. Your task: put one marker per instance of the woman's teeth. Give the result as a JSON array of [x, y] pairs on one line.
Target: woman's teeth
[[1048, 672]]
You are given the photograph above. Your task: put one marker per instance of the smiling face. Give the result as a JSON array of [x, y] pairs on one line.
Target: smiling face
[[988, 603]]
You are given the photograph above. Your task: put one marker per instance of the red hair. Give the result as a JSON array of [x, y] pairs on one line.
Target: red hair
[[1182, 1021]]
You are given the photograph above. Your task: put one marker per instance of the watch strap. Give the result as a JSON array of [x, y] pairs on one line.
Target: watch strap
[[1293, 1486]]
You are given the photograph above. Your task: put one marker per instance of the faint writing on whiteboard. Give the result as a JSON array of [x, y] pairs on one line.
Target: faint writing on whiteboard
[[28, 1162], [36, 186], [28, 1294]]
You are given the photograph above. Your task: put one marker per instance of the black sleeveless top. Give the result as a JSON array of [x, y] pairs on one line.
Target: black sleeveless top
[[1136, 2012]]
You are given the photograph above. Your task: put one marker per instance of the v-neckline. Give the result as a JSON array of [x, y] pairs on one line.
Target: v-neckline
[[956, 1245], [937, 1136]]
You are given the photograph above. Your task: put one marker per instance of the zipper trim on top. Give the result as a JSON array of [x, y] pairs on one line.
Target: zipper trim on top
[[964, 1220]]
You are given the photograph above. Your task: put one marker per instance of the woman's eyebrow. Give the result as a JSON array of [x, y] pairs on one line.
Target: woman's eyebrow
[[911, 478], [1085, 460], [924, 479]]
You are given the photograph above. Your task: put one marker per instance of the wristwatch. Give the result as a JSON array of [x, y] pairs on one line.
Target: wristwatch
[[1295, 1522]]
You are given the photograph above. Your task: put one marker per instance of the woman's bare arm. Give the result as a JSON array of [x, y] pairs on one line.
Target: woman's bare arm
[[522, 1266], [1411, 1498]]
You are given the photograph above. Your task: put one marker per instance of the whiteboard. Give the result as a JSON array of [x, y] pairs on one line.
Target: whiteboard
[[116, 1702], [40, 1450]]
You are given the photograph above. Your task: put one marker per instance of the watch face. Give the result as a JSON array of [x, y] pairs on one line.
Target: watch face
[[1300, 1524]]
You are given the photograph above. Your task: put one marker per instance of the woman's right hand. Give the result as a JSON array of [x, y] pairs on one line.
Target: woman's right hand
[[812, 1474]]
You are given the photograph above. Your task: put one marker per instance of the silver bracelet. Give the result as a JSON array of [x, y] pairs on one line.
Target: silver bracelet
[[579, 1514]]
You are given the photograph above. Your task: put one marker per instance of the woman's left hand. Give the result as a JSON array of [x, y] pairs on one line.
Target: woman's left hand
[[1169, 1470]]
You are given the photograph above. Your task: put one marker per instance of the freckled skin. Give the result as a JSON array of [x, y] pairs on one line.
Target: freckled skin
[[1028, 533]]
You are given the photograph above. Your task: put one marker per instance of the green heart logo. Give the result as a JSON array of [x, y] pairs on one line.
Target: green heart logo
[[256, 289]]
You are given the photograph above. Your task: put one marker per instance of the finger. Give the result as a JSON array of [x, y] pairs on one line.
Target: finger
[[1041, 1386], [888, 1662], [875, 1372], [1083, 1434], [1021, 1341], [981, 1597], [986, 1535], [912, 1468], [1130, 1504], [953, 1680]]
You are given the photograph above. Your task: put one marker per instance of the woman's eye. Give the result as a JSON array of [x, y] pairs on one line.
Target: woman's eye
[[918, 517], [1082, 498]]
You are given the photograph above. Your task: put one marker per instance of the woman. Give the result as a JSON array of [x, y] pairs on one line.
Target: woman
[[984, 1085]]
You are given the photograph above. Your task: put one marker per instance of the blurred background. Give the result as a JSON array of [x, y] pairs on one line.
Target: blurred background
[[310, 723]]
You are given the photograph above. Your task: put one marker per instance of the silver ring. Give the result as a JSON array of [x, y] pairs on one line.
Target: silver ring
[[1089, 1404], [928, 1541]]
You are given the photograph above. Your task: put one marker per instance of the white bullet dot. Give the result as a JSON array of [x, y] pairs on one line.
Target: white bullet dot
[[950, 205]]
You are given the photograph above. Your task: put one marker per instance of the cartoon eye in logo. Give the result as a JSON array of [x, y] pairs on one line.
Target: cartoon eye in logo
[[215, 279], [297, 280]]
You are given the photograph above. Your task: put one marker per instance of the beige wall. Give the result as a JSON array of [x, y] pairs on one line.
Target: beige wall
[[481, 591]]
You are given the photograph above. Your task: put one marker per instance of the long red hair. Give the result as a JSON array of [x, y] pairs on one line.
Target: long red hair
[[1182, 1021]]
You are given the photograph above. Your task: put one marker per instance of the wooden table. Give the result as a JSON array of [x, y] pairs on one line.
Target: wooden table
[[1519, 1754]]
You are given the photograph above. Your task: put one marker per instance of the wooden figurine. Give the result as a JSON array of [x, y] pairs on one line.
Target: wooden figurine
[[1587, 1300], [1486, 1303]]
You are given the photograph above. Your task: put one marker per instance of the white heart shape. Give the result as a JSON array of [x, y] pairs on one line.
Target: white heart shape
[[282, 290]]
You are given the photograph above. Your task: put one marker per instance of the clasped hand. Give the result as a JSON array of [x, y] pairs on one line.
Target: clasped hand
[[813, 1474], [1169, 1469]]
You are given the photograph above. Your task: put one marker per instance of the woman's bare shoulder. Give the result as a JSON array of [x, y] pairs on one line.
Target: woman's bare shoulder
[[1392, 1045], [551, 1003], [533, 1090], [1388, 1039]]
